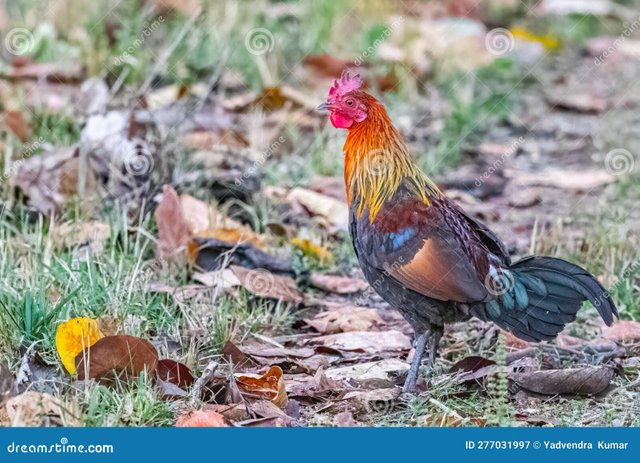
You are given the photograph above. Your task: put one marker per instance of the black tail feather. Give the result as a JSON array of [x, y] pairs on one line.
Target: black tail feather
[[555, 291]]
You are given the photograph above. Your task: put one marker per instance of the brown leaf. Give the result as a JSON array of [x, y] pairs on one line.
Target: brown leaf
[[622, 330], [208, 140], [364, 341], [268, 285], [173, 232], [582, 381], [115, 356], [236, 357], [452, 421], [18, 125], [344, 320], [580, 102], [568, 179], [174, 372], [49, 72], [201, 419], [345, 420], [269, 385], [338, 284], [31, 408]]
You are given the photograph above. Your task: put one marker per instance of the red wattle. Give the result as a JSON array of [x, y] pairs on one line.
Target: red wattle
[[339, 121]]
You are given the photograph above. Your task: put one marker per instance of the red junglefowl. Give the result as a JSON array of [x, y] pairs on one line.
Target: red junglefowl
[[431, 260]]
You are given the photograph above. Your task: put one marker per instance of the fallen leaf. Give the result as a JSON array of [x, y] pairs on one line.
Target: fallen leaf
[[447, 420], [581, 102], [579, 180], [201, 419], [32, 408], [310, 249], [333, 211], [345, 420], [46, 72], [210, 254], [347, 319], [89, 236], [116, 356], [622, 330], [208, 140], [370, 375], [73, 336], [268, 285], [581, 381], [174, 372], [367, 341], [269, 385], [173, 232], [338, 284], [18, 125]]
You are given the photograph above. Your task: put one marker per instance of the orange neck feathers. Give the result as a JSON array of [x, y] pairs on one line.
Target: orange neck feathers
[[377, 162]]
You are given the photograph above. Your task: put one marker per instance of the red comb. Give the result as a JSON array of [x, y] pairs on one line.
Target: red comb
[[345, 84]]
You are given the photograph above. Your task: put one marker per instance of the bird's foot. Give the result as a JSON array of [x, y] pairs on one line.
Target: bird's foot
[[412, 376]]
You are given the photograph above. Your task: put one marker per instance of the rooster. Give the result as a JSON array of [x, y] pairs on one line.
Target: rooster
[[427, 257]]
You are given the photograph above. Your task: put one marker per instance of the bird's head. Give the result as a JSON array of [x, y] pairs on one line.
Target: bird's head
[[347, 104]]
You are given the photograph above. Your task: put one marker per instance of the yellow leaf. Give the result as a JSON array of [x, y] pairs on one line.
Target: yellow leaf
[[73, 336], [549, 42], [310, 249]]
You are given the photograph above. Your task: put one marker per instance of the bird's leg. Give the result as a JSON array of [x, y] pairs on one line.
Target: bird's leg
[[434, 342], [412, 376]]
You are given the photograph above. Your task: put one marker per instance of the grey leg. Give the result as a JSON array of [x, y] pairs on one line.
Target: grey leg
[[434, 342], [412, 376]]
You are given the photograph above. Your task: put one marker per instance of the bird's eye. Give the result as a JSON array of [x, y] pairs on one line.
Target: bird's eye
[[349, 102]]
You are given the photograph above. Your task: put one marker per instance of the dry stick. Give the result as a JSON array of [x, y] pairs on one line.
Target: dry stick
[[207, 374]]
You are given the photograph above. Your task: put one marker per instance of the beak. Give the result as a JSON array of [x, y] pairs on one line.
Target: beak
[[323, 107]]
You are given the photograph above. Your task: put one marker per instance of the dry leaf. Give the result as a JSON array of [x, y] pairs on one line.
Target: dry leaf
[[92, 235], [174, 372], [447, 420], [268, 285], [344, 320], [73, 336], [117, 356], [367, 341], [18, 125], [31, 407], [338, 284], [583, 381], [335, 212], [370, 375], [173, 232], [269, 385], [201, 419], [622, 330]]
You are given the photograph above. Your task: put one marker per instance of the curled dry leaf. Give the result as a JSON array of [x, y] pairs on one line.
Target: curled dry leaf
[[581, 381], [201, 419], [31, 408], [269, 385], [343, 320], [117, 356], [73, 336], [338, 284], [268, 285]]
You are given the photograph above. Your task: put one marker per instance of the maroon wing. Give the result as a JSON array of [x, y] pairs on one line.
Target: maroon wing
[[429, 248]]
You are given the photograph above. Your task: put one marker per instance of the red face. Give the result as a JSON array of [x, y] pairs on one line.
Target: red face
[[343, 102], [345, 111]]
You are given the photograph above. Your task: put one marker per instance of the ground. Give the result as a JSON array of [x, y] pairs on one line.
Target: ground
[[165, 173]]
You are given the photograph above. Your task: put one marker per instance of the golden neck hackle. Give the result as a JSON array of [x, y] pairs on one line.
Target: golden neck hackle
[[377, 162]]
